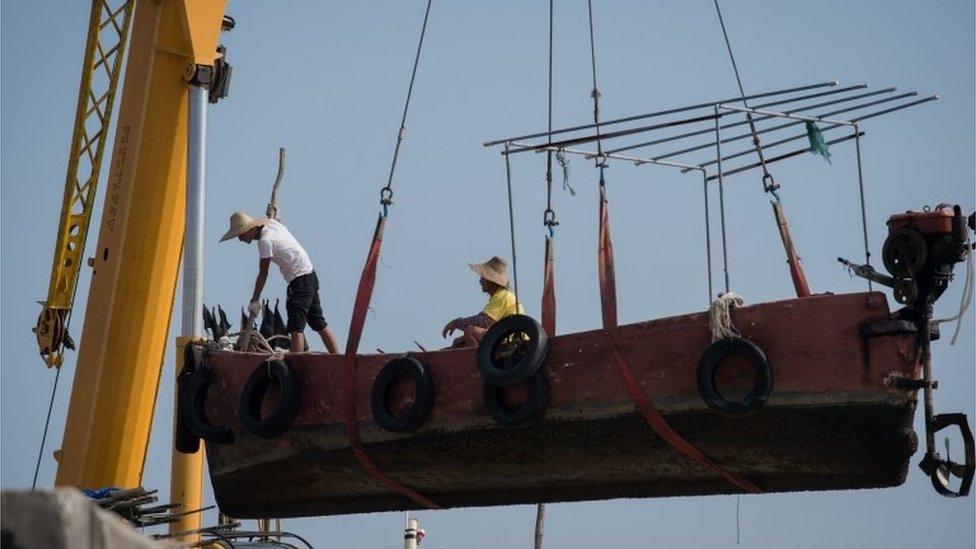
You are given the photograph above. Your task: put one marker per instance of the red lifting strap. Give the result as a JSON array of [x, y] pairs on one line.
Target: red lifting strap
[[796, 268], [363, 295], [608, 303], [608, 277], [548, 293]]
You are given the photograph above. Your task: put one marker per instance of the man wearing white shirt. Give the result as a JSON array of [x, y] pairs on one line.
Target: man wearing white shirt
[[276, 244]]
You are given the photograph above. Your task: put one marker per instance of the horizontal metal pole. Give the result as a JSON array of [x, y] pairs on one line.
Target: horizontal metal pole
[[756, 119], [660, 113], [811, 96], [898, 108], [765, 146], [711, 144], [797, 152], [636, 161], [776, 114], [611, 135]]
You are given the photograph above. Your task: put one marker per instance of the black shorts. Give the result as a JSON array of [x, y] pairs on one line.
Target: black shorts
[[303, 304]]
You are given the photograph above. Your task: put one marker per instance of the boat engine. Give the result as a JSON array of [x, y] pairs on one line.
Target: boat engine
[[920, 253]]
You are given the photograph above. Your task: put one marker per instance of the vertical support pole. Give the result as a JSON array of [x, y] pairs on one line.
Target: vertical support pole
[[186, 483], [196, 160], [864, 215], [708, 238], [511, 221], [721, 198], [410, 534]]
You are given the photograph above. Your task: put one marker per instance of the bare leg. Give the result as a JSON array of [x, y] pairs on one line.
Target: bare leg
[[473, 335], [329, 339], [297, 342]]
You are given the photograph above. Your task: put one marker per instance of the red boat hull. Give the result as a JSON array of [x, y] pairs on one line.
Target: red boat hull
[[833, 420]]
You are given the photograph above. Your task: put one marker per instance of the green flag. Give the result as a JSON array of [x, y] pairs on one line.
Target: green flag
[[817, 143]]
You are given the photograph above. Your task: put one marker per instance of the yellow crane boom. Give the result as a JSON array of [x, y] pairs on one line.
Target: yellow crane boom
[[137, 256], [108, 31]]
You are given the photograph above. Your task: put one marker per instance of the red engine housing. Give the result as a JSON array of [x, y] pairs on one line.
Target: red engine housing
[[937, 221]]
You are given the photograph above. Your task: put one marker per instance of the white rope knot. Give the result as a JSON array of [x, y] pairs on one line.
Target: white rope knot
[[720, 316]]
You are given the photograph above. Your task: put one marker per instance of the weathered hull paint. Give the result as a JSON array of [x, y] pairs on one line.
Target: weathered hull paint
[[831, 422]]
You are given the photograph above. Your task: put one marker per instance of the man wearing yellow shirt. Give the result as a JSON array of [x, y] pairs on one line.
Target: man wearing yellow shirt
[[494, 282]]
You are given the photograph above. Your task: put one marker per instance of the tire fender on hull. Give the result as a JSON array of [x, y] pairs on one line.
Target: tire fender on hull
[[256, 388], [423, 401], [708, 366]]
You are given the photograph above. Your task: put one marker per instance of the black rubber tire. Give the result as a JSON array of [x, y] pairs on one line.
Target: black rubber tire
[[193, 408], [423, 402], [531, 356], [534, 406], [252, 397], [184, 439], [714, 355]]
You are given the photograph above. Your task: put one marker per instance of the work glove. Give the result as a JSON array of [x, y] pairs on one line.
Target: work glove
[[254, 308]]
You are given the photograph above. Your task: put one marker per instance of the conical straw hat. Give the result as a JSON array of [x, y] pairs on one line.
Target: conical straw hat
[[495, 270], [240, 223]]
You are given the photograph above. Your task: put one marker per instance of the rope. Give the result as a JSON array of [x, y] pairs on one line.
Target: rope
[[720, 316], [769, 184], [386, 193], [47, 422]]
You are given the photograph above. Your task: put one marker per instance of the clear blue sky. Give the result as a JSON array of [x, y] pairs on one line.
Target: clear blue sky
[[326, 80]]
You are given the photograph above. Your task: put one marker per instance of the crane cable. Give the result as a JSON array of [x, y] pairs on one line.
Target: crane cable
[[47, 422], [549, 216], [386, 193], [595, 94], [769, 184]]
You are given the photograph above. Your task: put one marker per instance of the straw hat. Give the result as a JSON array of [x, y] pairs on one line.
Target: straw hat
[[495, 270], [240, 223]]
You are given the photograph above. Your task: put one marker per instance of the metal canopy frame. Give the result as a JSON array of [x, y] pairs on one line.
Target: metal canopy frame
[[713, 117], [709, 119]]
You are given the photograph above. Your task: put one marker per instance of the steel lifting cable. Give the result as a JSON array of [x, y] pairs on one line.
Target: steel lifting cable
[[386, 193], [769, 184], [549, 216], [363, 295], [47, 422]]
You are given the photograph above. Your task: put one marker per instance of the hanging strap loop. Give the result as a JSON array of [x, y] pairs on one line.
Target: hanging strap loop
[[608, 304], [363, 295], [549, 291]]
